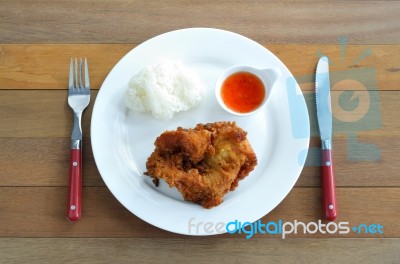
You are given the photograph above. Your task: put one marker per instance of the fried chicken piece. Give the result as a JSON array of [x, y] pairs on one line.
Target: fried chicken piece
[[203, 163]]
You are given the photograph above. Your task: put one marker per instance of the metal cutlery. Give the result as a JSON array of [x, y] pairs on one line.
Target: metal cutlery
[[324, 115], [78, 100]]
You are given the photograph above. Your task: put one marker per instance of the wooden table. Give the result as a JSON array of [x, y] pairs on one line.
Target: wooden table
[[362, 39]]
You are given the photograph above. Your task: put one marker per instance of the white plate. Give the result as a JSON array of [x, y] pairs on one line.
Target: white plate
[[122, 140]]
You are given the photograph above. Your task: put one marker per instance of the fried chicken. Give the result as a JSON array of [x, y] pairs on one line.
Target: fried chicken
[[203, 163]]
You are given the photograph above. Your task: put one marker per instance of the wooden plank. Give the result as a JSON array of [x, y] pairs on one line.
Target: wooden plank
[[135, 21], [44, 113], [33, 66], [197, 250], [33, 113], [44, 162], [40, 212], [369, 162], [38, 138], [375, 67]]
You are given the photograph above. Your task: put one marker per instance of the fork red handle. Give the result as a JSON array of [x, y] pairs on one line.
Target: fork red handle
[[75, 186], [329, 205]]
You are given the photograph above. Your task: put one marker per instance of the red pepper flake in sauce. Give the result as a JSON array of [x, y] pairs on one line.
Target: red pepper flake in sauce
[[243, 92]]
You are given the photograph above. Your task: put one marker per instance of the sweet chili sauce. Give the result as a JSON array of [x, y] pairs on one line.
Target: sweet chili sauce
[[243, 92]]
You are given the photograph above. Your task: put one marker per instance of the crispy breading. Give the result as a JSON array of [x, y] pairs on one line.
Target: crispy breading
[[203, 163]]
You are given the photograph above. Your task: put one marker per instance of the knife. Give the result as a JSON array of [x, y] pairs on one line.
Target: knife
[[324, 115]]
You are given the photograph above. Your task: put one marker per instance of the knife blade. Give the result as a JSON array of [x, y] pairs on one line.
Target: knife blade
[[324, 116]]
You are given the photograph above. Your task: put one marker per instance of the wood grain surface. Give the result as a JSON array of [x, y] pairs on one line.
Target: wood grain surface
[[41, 119], [37, 40], [47, 63], [124, 21], [39, 212], [198, 250]]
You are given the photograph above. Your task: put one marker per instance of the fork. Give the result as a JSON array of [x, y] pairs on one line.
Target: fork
[[78, 100]]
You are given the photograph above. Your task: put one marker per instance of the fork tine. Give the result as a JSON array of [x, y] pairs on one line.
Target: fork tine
[[76, 75], [87, 82], [79, 82], [80, 75], [71, 76]]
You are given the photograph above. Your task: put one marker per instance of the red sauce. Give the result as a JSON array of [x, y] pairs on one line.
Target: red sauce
[[243, 92]]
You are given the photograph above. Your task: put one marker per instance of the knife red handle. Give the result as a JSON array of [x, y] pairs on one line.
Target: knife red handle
[[75, 186], [329, 205]]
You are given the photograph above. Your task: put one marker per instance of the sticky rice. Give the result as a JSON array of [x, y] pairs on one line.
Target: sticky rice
[[164, 89]]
